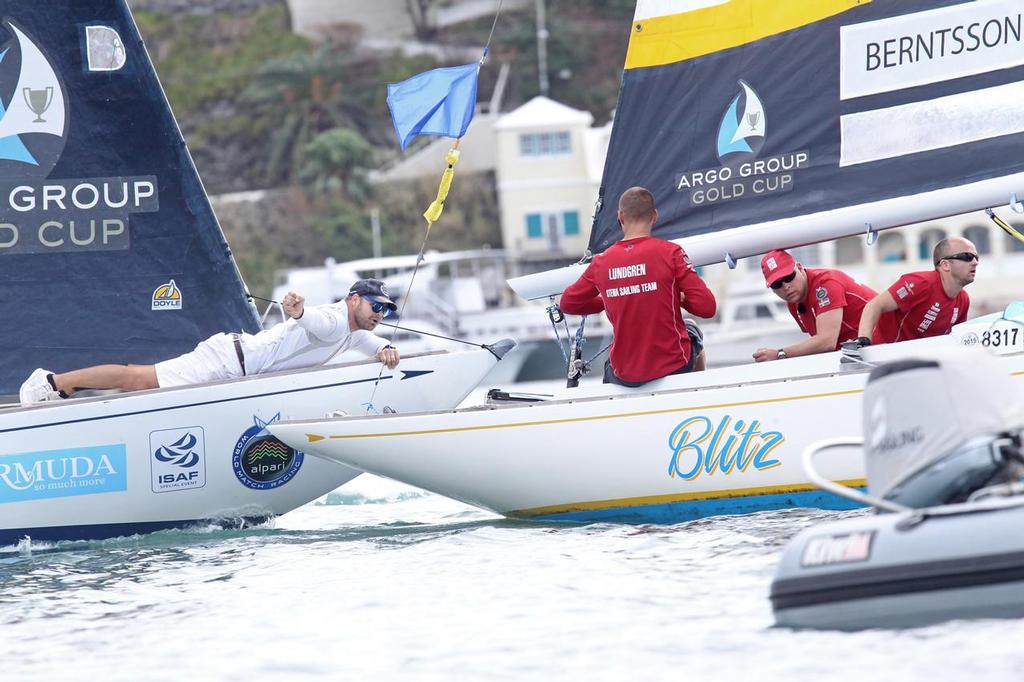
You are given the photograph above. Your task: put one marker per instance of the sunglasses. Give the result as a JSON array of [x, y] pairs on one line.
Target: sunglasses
[[777, 284], [965, 256], [377, 306]]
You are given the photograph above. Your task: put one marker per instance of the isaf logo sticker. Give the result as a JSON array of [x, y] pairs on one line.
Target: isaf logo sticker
[[822, 295], [178, 459], [262, 462]]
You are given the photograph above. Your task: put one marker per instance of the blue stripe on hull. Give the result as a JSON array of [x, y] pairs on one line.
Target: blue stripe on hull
[[677, 512], [103, 531]]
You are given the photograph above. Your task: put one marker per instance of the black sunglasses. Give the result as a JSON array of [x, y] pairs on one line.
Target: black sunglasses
[[377, 306], [777, 284], [965, 256]]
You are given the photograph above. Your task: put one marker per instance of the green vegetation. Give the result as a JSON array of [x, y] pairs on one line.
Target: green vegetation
[[263, 108]]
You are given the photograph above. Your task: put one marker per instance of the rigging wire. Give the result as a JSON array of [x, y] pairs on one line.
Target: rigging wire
[[433, 212]]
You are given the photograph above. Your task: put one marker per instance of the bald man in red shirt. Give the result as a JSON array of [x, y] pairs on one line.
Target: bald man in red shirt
[[923, 304], [641, 282]]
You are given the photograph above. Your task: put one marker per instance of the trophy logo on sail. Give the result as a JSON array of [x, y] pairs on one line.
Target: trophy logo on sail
[[741, 134], [38, 101], [743, 173]]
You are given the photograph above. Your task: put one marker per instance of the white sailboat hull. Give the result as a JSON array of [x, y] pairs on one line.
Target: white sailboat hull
[[108, 466], [728, 441]]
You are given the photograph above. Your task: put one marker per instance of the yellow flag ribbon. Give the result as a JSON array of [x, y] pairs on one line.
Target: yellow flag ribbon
[[433, 212]]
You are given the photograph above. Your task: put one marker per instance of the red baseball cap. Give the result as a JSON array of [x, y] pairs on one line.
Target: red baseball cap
[[775, 265]]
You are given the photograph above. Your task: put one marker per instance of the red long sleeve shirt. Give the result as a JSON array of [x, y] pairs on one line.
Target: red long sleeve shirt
[[637, 283], [923, 309]]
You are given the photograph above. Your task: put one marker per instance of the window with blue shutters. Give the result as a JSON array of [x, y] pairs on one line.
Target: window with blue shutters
[[545, 144], [571, 221], [534, 229]]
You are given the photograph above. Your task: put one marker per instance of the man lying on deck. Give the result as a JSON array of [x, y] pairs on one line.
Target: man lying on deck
[[641, 282], [826, 303], [311, 337]]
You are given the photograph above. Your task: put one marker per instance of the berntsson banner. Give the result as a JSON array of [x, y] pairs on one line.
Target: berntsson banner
[[752, 111]]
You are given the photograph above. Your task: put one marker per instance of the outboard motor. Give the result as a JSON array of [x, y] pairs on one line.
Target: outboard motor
[[938, 429]]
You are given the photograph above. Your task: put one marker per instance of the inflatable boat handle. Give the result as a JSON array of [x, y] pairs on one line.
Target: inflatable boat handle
[[837, 488]]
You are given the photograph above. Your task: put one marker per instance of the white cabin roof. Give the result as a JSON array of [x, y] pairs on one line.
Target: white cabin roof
[[542, 112]]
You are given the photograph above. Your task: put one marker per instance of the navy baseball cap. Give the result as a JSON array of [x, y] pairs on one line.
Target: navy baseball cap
[[375, 290]]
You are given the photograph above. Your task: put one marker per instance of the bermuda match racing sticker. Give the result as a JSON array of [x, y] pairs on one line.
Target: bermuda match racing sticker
[[262, 462]]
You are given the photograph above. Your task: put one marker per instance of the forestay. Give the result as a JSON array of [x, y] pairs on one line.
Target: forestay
[[109, 250]]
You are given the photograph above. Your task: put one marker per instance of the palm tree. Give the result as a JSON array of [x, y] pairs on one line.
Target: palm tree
[[297, 98]]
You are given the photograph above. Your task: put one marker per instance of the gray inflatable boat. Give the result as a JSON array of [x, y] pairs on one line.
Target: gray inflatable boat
[[944, 464]]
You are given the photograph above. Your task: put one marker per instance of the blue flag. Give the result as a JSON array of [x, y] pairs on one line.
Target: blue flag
[[436, 102]]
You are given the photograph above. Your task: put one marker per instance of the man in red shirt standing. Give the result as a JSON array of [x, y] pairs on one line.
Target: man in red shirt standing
[[827, 304], [922, 304], [641, 282]]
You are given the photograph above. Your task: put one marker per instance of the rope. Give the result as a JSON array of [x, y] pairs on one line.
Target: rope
[[431, 215], [439, 336], [554, 310], [598, 354], [1006, 227]]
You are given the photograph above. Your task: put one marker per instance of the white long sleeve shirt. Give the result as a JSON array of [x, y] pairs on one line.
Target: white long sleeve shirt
[[310, 341]]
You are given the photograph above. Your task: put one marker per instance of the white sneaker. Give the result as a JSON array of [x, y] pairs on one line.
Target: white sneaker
[[37, 388]]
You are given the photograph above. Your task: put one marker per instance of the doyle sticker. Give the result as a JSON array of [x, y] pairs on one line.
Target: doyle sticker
[[40, 475], [701, 446], [262, 462], [167, 297], [177, 459]]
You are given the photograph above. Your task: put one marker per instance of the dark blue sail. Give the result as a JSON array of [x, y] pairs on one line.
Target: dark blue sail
[[109, 249]]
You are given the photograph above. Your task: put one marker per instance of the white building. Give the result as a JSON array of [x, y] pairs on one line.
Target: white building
[[549, 164]]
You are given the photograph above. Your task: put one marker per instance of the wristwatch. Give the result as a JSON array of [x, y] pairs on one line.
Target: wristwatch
[[781, 355]]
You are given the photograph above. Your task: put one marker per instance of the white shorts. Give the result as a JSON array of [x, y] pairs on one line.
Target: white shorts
[[214, 359]]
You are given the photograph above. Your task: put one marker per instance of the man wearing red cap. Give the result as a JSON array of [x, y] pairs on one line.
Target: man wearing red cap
[[641, 282], [827, 304], [922, 304]]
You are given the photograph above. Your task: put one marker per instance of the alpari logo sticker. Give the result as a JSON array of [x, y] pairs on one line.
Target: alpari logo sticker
[[33, 108], [261, 461], [179, 459], [742, 131], [167, 297]]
